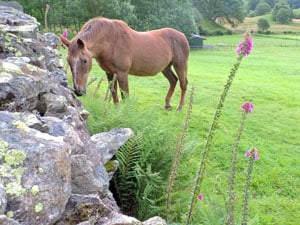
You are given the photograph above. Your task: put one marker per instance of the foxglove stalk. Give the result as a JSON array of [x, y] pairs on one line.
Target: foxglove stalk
[[252, 157], [247, 107], [244, 49]]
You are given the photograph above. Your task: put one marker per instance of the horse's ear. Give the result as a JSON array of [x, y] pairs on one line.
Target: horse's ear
[[64, 41], [80, 43]]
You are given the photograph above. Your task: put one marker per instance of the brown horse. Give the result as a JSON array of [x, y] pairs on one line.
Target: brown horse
[[120, 51]]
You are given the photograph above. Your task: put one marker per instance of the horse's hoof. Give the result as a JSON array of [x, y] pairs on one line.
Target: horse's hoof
[[179, 108], [168, 107]]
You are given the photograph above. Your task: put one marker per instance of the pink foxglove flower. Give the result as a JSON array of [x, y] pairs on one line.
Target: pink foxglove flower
[[249, 44], [247, 107], [200, 196], [256, 156], [65, 33], [248, 153], [47, 7]]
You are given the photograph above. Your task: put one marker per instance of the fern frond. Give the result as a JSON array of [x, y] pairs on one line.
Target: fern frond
[[125, 178]]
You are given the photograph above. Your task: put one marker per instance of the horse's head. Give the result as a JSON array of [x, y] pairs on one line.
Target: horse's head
[[80, 61]]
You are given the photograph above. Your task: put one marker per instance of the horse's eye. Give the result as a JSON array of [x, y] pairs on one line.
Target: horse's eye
[[84, 61]]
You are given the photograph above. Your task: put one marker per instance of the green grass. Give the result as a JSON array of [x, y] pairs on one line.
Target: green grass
[[270, 79]]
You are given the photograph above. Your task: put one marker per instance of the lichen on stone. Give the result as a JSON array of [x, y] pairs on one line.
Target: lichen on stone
[[34, 190], [14, 189], [10, 214], [7, 66], [40, 170], [20, 125], [38, 207], [14, 157], [11, 169]]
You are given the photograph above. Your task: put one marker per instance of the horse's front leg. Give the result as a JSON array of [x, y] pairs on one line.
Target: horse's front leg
[[112, 79], [122, 78]]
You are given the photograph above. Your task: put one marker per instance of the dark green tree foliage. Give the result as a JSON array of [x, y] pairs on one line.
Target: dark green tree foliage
[[142, 15], [295, 4], [74, 13], [252, 4], [156, 14], [230, 10], [263, 24], [262, 8], [282, 13], [284, 16]]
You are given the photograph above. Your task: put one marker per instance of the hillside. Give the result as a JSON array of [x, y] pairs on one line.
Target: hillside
[[251, 23]]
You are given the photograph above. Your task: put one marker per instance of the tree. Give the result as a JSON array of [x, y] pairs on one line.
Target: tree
[[142, 15], [283, 16], [263, 24], [156, 14], [295, 4], [231, 10], [282, 13], [262, 8], [252, 4]]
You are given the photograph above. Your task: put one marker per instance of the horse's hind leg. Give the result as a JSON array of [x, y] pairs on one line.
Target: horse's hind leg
[[122, 78], [173, 81], [113, 86], [182, 76]]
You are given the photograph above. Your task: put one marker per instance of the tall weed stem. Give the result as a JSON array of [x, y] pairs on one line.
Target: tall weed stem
[[253, 156], [244, 49], [46, 16], [231, 196], [178, 153]]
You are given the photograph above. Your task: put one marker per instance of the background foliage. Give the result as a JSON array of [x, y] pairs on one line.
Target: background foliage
[[188, 16]]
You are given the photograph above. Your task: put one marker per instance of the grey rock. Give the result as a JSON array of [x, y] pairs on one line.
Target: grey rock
[[103, 146], [51, 40], [155, 221], [4, 220], [3, 198], [17, 22], [24, 87], [87, 178], [116, 218], [38, 175], [85, 223], [81, 208], [12, 4]]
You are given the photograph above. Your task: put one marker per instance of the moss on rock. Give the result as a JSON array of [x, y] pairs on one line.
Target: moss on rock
[[11, 169]]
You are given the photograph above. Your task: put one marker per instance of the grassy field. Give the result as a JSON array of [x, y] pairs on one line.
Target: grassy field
[[270, 79]]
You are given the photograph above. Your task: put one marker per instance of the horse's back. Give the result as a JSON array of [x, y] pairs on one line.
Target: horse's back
[[158, 49], [178, 43]]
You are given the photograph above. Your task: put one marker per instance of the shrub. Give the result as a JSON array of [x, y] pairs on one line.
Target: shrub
[[218, 32], [296, 13], [263, 24], [229, 32]]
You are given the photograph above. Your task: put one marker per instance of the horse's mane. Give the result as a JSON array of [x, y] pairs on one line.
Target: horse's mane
[[100, 25]]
